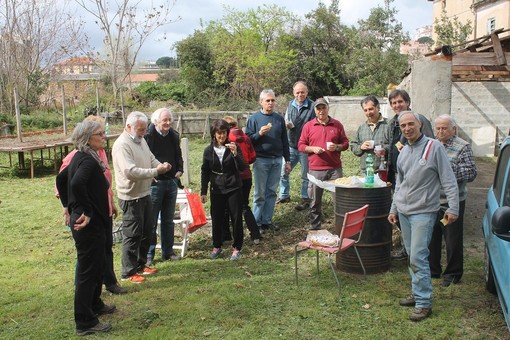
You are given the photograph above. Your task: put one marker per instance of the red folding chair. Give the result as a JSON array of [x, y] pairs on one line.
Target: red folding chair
[[352, 225]]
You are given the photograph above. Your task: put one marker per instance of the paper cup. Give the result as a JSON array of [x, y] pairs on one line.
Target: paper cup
[[371, 144], [328, 144], [379, 151]]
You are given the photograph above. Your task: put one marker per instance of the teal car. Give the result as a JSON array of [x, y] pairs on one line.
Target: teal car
[[496, 231]]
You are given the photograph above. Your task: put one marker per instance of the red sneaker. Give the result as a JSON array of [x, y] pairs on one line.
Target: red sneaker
[[148, 271], [135, 278]]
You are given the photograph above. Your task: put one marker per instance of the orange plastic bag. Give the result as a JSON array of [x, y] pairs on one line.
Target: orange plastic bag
[[197, 211]]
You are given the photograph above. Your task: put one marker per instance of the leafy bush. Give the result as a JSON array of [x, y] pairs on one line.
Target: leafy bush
[[42, 120], [7, 118], [148, 91]]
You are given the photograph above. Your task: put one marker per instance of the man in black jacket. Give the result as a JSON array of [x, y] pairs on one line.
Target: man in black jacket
[[164, 143]]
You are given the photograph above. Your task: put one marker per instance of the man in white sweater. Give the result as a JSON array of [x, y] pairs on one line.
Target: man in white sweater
[[135, 168], [423, 169]]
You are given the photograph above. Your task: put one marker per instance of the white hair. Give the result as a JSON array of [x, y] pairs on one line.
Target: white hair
[[135, 117], [449, 118], [265, 93], [416, 115], [155, 117]]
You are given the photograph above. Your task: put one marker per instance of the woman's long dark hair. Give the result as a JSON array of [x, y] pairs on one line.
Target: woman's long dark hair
[[219, 125]]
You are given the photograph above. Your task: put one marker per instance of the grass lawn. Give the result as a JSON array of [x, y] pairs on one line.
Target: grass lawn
[[254, 298]]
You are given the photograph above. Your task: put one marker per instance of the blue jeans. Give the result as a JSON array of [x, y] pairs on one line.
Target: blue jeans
[[295, 158], [417, 233], [164, 197], [266, 173]]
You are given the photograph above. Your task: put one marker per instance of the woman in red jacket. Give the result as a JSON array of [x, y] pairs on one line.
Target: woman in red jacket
[[238, 136]]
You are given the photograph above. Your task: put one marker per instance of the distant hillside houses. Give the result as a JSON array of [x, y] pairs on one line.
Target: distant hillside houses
[[79, 76], [415, 49], [76, 66]]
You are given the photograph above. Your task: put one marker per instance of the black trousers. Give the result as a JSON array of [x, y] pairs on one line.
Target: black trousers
[[90, 247], [233, 202], [251, 223], [137, 219], [453, 236], [109, 277]]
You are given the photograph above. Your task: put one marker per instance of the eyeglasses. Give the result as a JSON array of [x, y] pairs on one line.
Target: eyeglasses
[[100, 134], [270, 100]]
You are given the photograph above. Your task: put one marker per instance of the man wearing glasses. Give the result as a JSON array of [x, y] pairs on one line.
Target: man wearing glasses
[[135, 168]]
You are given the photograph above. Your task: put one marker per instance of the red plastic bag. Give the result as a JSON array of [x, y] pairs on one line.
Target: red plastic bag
[[197, 211]]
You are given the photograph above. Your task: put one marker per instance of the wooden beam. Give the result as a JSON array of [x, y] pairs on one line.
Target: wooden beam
[[484, 58], [498, 49], [479, 58], [476, 43]]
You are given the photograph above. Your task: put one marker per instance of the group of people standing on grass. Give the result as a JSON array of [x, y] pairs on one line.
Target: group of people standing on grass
[[429, 178], [428, 175]]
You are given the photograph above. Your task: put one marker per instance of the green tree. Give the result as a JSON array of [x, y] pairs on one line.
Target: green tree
[[248, 50], [166, 62], [195, 56], [321, 51], [451, 31], [426, 40], [375, 59]]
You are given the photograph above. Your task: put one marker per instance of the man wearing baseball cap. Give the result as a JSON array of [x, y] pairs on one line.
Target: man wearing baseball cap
[[323, 139]]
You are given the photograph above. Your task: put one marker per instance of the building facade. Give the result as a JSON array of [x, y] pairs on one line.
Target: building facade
[[485, 16]]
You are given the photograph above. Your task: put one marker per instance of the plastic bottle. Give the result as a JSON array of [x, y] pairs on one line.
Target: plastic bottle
[[107, 129], [369, 178]]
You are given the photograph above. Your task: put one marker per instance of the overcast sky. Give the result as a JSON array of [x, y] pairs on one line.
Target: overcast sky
[[412, 13]]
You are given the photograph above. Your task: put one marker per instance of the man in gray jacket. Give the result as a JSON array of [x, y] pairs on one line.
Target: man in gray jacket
[[423, 169], [299, 112]]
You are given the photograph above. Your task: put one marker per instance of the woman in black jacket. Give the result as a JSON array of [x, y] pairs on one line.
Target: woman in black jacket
[[83, 190], [221, 164]]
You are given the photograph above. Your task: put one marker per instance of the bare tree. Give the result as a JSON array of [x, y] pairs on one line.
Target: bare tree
[[126, 25], [34, 35]]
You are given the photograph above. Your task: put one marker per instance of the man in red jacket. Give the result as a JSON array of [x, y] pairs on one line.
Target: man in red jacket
[[238, 136], [323, 139]]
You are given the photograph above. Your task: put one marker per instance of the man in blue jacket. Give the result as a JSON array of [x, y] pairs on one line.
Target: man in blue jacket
[[267, 132]]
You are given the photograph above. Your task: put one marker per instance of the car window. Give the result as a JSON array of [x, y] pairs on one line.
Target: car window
[[499, 180]]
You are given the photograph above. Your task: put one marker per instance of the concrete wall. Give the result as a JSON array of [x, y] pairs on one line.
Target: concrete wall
[[429, 85], [481, 110], [348, 111]]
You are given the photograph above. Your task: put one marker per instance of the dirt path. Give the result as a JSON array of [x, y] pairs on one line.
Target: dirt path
[[475, 206]]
